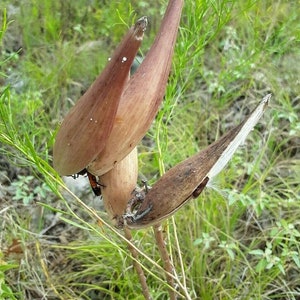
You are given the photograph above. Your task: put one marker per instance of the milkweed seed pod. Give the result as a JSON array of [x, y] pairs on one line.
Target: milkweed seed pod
[[142, 95], [187, 179], [118, 184], [83, 133]]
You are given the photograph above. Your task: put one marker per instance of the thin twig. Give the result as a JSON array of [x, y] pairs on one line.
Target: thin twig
[[168, 266], [137, 266]]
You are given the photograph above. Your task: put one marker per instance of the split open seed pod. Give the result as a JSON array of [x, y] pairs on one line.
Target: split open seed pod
[[187, 179], [118, 184], [86, 128], [142, 95]]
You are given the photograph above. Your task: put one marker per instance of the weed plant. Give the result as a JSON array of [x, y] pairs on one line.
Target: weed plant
[[240, 239]]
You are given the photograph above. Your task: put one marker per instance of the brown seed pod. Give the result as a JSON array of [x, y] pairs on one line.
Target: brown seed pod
[[142, 95], [84, 131], [118, 184], [187, 179]]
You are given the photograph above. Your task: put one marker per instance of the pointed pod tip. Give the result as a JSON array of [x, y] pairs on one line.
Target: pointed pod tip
[[140, 27], [143, 21], [266, 100]]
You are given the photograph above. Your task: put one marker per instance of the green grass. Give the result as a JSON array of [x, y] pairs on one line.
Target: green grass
[[239, 240]]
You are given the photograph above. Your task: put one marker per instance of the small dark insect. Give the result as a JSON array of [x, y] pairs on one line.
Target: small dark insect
[[200, 187], [95, 185]]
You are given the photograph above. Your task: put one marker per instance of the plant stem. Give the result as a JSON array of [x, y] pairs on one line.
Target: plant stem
[[137, 266], [168, 266]]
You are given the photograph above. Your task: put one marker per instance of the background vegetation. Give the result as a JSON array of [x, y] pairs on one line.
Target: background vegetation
[[240, 240]]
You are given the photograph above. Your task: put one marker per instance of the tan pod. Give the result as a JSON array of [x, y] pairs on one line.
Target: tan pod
[[83, 133], [118, 184]]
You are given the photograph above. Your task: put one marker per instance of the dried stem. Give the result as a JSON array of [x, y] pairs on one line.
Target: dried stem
[[168, 265], [137, 266]]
